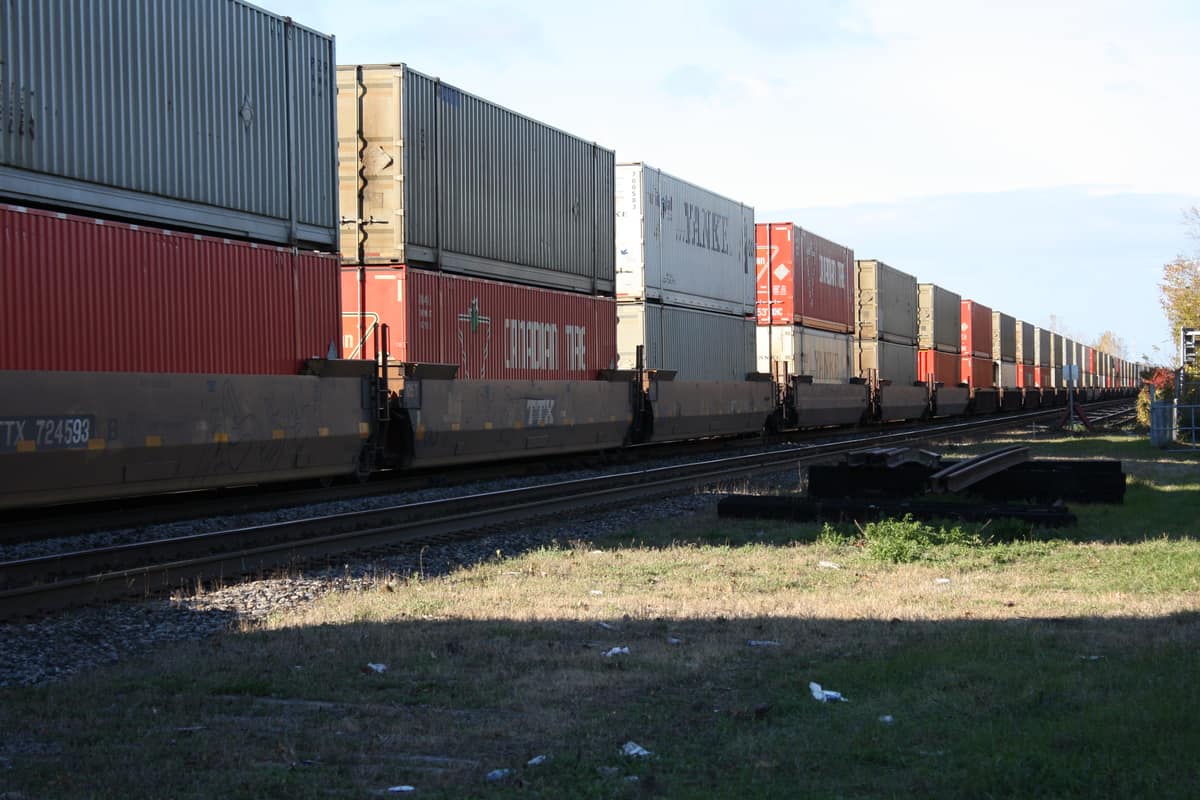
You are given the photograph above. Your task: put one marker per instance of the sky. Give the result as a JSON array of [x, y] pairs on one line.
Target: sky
[[1035, 157]]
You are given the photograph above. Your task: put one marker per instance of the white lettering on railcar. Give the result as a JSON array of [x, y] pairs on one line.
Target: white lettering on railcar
[[530, 345], [833, 272], [539, 412]]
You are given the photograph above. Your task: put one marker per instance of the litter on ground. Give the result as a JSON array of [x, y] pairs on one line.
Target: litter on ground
[[825, 695], [635, 750]]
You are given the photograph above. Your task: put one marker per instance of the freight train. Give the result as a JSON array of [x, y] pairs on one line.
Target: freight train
[[303, 270]]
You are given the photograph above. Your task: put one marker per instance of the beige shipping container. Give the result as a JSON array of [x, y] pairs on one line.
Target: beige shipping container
[[885, 303], [1004, 337], [697, 345], [790, 350], [1026, 340], [938, 318], [887, 361], [434, 177]]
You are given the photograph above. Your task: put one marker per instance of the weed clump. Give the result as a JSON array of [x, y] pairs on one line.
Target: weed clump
[[900, 541]]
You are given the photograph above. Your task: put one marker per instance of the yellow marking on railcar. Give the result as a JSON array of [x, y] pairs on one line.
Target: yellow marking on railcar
[[364, 430], [454, 426], [153, 441], [487, 426], [419, 433], [221, 438], [518, 425], [278, 433], [322, 431], [97, 444], [26, 446]]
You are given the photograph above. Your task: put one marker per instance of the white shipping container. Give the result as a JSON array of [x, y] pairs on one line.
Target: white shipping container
[[794, 350], [680, 244], [433, 177], [210, 114], [1007, 374], [697, 345], [886, 361]]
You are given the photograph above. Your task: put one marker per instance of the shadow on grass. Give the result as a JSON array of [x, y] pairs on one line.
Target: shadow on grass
[[1062, 707]]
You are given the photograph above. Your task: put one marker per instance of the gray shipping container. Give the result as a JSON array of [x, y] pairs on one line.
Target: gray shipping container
[[790, 350], [434, 177], [1006, 374], [697, 345], [682, 245], [1026, 343], [211, 114], [1004, 337], [887, 360], [1056, 350], [885, 303], [939, 314]]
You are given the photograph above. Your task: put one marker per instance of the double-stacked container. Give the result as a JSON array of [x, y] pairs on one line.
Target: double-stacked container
[[1043, 358], [804, 289], [938, 341], [975, 345], [1057, 360], [439, 189], [886, 339], [1026, 336], [168, 238], [684, 277], [1004, 349]]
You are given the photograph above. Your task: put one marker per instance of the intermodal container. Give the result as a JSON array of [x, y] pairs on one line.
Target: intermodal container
[[211, 115], [1005, 374], [886, 361], [936, 366], [697, 345], [488, 329], [433, 177], [885, 303], [682, 245], [790, 350], [1026, 376], [1004, 337], [975, 330], [85, 294], [1044, 377], [938, 312], [1042, 355], [803, 279], [976, 372], [1026, 343]]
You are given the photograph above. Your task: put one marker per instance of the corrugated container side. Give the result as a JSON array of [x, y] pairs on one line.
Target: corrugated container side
[[697, 345], [938, 312], [887, 361], [80, 294], [1056, 350], [439, 178], [1045, 377], [1005, 374], [1026, 376], [976, 328], [681, 244], [886, 303], [794, 350], [803, 279], [1004, 337], [1026, 340], [977, 372], [490, 330], [212, 115], [936, 366], [1042, 356]]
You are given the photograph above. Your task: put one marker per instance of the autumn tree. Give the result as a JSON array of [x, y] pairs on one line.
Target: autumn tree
[[1109, 342], [1179, 291]]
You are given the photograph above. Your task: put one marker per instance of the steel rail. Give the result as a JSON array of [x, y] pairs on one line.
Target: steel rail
[[47, 583]]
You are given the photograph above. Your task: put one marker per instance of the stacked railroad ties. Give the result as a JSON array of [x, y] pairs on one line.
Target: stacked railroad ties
[[169, 357]]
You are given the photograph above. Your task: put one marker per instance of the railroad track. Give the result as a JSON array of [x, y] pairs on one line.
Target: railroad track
[[33, 586]]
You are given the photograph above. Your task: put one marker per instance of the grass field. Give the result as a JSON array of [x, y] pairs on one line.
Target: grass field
[[1061, 664]]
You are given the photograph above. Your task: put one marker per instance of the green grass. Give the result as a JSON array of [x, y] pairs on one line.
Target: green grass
[[1014, 663]]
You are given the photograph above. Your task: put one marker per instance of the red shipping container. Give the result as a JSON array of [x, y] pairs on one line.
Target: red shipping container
[[84, 294], [488, 329], [802, 279], [976, 372], [976, 330], [944, 367], [1026, 376], [1042, 376]]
